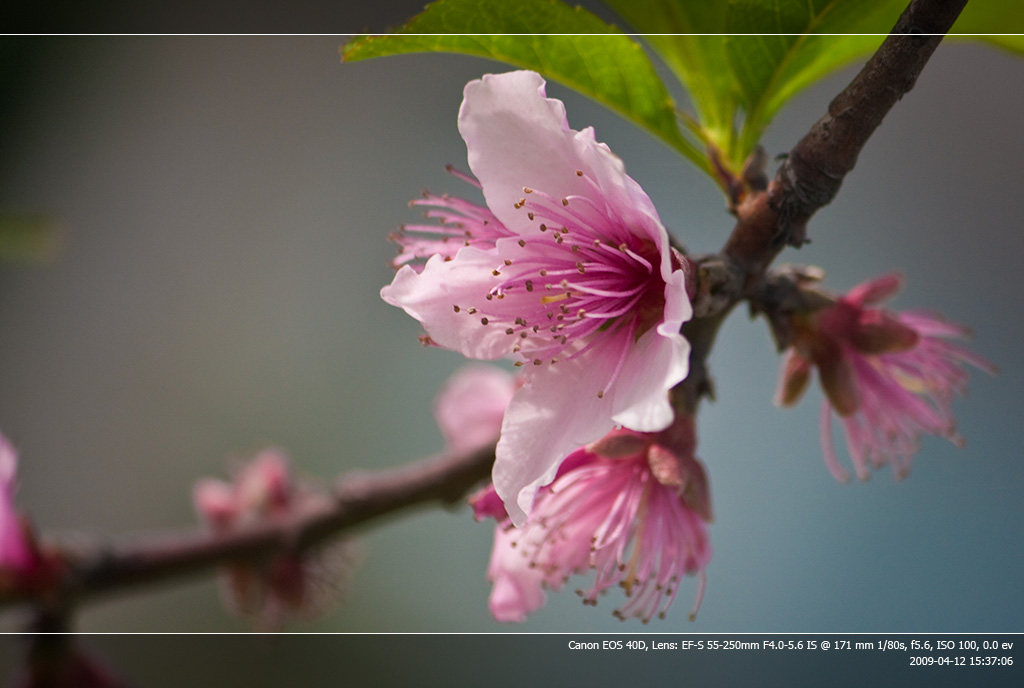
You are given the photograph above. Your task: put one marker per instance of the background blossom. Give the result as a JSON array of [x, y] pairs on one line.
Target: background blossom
[[290, 583], [470, 406], [16, 553]]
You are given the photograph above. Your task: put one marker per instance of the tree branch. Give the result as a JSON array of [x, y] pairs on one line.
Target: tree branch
[[768, 220], [357, 497], [813, 171]]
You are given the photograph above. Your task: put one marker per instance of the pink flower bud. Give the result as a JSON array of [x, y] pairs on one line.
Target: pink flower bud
[[290, 582], [23, 564], [16, 553]]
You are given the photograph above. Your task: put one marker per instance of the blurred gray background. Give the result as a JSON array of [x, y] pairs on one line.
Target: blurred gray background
[[225, 204]]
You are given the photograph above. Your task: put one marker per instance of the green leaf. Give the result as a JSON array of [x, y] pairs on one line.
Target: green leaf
[[32, 238], [699, 62], [1000, 17], [771, 69], [605, 65]]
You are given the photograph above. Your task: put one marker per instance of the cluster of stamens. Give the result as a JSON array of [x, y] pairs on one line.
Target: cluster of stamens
[[620, 523], [459, 223], [583, 272]]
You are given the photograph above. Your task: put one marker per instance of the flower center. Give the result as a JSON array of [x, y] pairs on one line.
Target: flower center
[[581, 276]]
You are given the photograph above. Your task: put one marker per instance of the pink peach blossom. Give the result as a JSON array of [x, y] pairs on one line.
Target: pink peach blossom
[[890, 377], [569, 271], [632, 507]]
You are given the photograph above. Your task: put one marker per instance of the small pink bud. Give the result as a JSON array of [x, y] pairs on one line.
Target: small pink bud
[[290, 582]]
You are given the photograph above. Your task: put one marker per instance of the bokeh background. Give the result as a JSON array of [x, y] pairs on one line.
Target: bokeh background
[[224, 205]]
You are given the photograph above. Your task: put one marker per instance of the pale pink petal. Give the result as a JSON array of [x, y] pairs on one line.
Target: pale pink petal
[[442, 298], [517, 137], [658, 361], [516, 586], [265, 485], [622, 195], [556, 411], [215, 501], [470, 406], [8, 463], [875, 290]]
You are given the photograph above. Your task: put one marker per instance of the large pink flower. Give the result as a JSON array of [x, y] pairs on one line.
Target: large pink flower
[[891, 377], [631, 507], [574, 277]]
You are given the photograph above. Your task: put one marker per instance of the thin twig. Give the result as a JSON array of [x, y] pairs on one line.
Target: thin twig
[[809, 178], [357, 498], [813, 171]]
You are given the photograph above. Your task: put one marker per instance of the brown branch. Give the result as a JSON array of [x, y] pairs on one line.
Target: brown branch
[[768, 220], [813, 171], [358, 497]]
